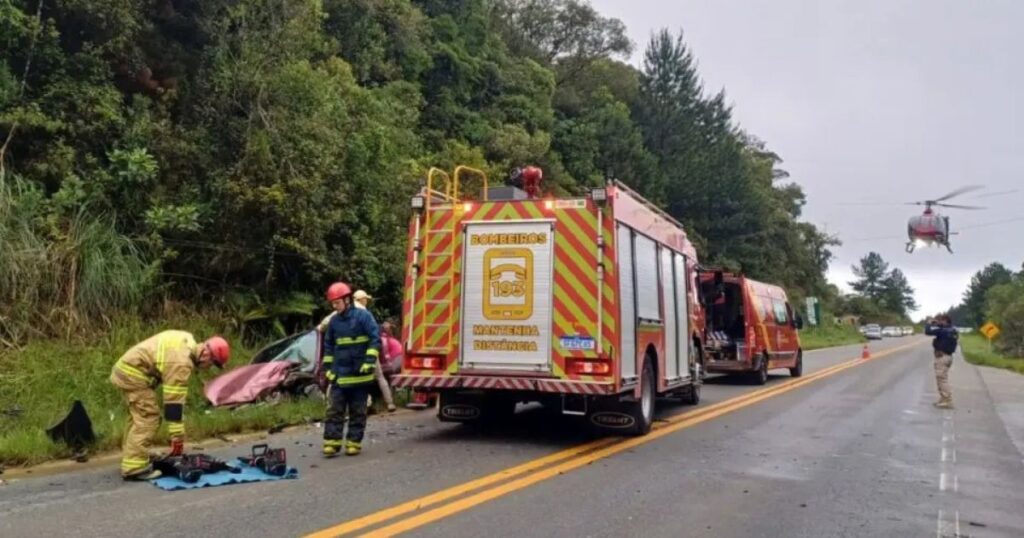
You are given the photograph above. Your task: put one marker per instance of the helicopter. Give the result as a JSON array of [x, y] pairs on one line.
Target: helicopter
[[930, 228]]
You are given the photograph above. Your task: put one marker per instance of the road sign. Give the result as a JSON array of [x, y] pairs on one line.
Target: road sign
[[990, 330], [813, 311]]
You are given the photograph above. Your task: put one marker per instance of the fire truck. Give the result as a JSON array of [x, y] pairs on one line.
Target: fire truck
[[585, 304]]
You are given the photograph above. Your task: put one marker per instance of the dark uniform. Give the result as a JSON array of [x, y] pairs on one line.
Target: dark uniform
[[944, 345], [351, 351]]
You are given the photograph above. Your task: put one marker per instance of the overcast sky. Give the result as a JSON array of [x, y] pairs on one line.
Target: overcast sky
[[880, 100]]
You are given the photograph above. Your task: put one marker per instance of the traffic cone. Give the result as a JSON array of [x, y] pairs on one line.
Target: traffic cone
[[865, 353]]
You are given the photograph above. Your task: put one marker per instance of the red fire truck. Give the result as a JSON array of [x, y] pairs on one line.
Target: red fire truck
[[587, 304]]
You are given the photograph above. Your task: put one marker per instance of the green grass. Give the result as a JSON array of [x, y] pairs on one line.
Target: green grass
[[976, 351], [829, 336], [46, 377]]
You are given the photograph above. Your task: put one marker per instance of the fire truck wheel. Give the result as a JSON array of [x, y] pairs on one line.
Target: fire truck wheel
[[798, 370], [692, 395], [643, 410], [760, 377], [499, 407]]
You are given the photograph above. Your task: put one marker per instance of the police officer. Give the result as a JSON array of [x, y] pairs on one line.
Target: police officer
[[351, 350], [944, 345]]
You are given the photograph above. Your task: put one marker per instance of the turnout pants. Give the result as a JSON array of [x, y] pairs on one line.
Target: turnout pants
[[350, 400], [942, 364], [143, 423]]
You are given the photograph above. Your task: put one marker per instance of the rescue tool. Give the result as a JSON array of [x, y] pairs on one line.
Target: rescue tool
[[189, 468], [273, 461]]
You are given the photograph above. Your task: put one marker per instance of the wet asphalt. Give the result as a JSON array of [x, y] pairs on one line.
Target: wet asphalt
[[858, 453]]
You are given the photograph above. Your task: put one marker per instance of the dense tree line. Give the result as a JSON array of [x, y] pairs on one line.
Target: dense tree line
[[234, 154], [995, 294]]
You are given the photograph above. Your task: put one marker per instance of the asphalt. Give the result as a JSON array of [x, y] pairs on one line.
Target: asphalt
[[858, 453]]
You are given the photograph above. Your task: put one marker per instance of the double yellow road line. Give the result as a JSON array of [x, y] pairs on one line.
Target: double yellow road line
[[526, 474]]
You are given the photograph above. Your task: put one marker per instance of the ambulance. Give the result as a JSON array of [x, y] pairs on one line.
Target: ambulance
[[586, 304], [750, 327]]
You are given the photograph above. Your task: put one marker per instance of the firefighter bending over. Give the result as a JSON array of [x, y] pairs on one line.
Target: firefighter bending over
[[351, 350], [166, 359]]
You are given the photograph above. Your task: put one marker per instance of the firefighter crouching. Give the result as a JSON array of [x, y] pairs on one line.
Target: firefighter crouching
[[351, 350], [167, 360]]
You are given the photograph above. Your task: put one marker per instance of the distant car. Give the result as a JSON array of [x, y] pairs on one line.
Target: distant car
[[907, 331], [891, 332], [872, 332]]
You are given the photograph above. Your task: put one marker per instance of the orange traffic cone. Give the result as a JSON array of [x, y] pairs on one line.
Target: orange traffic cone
[[865, 353]]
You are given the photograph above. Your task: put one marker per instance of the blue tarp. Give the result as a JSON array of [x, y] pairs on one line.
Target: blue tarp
[[222, 478]]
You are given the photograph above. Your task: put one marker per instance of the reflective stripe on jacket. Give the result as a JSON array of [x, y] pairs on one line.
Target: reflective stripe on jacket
[[165, 359], [352, 340]]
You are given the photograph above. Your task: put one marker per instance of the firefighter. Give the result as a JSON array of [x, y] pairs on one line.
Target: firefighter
[[944, 345], [166, 359], [351, 351], [360, 299]]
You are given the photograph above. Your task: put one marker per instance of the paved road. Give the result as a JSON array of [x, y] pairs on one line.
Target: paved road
[[844, 451]]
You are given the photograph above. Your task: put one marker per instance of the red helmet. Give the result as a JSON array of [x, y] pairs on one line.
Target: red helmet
[[338, 290], [220, 351]]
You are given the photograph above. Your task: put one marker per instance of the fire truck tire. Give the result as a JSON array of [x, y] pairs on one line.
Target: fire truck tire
[[691, 395], [760, 376], [642, 411], [798, 370], [499, 407]]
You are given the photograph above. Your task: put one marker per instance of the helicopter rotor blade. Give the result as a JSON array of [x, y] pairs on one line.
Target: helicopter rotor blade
[[955, 206], [991, 194], [959, 191]]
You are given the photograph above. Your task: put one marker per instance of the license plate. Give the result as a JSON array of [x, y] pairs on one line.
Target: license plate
[[576, 343]]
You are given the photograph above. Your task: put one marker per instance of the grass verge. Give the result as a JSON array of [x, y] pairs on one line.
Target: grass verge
[[976, 351], [829, 336], [39, 383]]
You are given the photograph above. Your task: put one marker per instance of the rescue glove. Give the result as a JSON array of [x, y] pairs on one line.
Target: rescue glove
[[177, 446], [367, 368]]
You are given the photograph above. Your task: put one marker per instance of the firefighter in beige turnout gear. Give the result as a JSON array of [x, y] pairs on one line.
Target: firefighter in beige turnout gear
[[166, 360]]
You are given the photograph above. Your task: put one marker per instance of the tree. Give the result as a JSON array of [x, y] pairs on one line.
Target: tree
[[871, 276], [1005, 307], [973, 310], [897, 294], [568, 34]]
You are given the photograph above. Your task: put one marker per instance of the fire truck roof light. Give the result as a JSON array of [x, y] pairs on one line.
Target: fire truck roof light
[[418, 202], [599, 195], [549, 204], [467, 207]]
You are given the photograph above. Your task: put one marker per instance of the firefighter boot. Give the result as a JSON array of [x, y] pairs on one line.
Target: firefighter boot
[[944, 404], [352, 448], [331, 448], [145, 475]]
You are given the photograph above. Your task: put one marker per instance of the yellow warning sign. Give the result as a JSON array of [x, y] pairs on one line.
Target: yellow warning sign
[[990, 330]]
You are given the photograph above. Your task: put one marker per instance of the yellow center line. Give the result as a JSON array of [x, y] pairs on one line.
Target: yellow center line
[[575, 457]]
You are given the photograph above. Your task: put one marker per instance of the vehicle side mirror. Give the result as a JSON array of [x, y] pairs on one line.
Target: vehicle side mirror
[[798, 322]]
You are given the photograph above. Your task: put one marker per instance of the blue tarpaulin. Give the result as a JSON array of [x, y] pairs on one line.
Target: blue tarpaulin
[[222, 478]]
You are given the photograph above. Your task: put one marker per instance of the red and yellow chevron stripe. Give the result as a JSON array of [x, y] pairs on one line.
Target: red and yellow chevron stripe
[[436, 324]]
